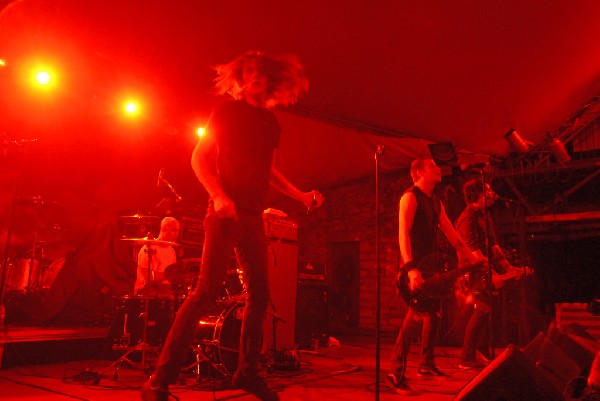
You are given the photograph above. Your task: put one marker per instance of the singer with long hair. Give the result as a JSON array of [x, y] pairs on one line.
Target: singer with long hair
[[234, 162]]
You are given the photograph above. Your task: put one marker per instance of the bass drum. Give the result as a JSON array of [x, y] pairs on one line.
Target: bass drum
[[218, 336]]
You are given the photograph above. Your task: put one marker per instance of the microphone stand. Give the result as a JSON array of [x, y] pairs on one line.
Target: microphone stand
[[378, 153], [171, 189], [489, 287]]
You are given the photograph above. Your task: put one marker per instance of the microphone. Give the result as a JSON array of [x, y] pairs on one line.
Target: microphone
[[472, 166], [160, 176]]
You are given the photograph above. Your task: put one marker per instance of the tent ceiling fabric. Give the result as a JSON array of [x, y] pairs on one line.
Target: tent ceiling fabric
[[420, 71]]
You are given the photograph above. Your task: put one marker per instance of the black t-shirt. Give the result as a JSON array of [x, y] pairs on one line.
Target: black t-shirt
[[246, 139], [471, 226]]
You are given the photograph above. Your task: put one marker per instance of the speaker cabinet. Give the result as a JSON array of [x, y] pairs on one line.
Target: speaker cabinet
[[281, 313], [563, 354], [312, 316], [510, 377]]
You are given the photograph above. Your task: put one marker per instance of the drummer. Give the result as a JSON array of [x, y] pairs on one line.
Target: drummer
[[161, 256]]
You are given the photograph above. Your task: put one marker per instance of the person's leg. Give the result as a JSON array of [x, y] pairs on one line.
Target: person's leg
[[218, 247], [429, 333], [400, 350], [252, 255], [407, 333], [473, 331]]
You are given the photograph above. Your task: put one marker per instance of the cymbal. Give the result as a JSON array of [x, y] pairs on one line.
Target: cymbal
[[139, 217], [148, 241]]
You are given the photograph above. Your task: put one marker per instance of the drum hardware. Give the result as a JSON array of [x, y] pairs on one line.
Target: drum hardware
[[143, 346], [37, 217]]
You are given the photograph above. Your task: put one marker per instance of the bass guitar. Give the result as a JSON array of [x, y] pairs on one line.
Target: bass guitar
[[439, 271]]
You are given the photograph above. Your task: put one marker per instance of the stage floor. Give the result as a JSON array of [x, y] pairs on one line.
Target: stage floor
[[344, 372]]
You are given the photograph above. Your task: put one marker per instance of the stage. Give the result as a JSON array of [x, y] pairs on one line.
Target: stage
[[328, 372]]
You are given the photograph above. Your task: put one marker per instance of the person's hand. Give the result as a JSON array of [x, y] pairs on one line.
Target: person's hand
[[224, 207], [497, 280], [476, 257], [415, 280], [312, 200]]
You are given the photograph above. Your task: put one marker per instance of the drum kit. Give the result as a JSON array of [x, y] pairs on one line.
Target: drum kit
[[34, 245], [145, 319]]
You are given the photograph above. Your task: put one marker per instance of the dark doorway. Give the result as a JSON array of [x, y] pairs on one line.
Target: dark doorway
[[344, 288]]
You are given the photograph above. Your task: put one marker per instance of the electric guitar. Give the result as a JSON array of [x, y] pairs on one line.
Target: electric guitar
[[479, 287], [439, 272]]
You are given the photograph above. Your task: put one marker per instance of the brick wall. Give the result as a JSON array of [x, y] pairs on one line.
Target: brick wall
[[349, 215]]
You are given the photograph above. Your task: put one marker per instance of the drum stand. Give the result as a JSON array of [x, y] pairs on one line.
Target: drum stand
[[143, 345]]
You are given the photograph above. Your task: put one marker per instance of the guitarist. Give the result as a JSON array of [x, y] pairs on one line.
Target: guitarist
[[420, 217], [472, 226]]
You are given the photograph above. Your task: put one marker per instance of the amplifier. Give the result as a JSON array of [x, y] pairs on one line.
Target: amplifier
[[280, 227], [311, 270], [192, 231]]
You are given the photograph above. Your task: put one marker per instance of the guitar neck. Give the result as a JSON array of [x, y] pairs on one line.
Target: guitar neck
[[452, 274]]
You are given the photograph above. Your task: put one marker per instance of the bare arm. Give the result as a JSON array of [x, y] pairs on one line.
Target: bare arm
[[310, 199], [406, 214], [203, 164]]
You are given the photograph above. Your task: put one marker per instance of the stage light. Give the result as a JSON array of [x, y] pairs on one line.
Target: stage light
[[42, 78], [517, 142], [557, 149], [2, 63], [131, 108], [200, 131]]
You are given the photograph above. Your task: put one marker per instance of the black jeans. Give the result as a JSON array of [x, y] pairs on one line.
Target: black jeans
[[221, 237], [413, 321], [476, 331]]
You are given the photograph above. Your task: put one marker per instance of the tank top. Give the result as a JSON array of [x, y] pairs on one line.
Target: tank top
[[424, 230]]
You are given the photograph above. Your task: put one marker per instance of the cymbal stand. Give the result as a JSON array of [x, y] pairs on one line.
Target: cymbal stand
[[34, 274], [143, 345]]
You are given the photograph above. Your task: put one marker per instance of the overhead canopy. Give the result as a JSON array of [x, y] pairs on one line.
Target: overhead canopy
[[393, 73]]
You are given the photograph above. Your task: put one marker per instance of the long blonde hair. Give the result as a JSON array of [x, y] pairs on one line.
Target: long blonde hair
[[286, 80]]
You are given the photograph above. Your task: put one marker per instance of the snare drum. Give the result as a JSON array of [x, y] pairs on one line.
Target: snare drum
[[218, 335]]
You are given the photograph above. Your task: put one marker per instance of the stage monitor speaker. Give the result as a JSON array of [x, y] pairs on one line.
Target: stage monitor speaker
[[510, 377], [563, 354], [281, 313]]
